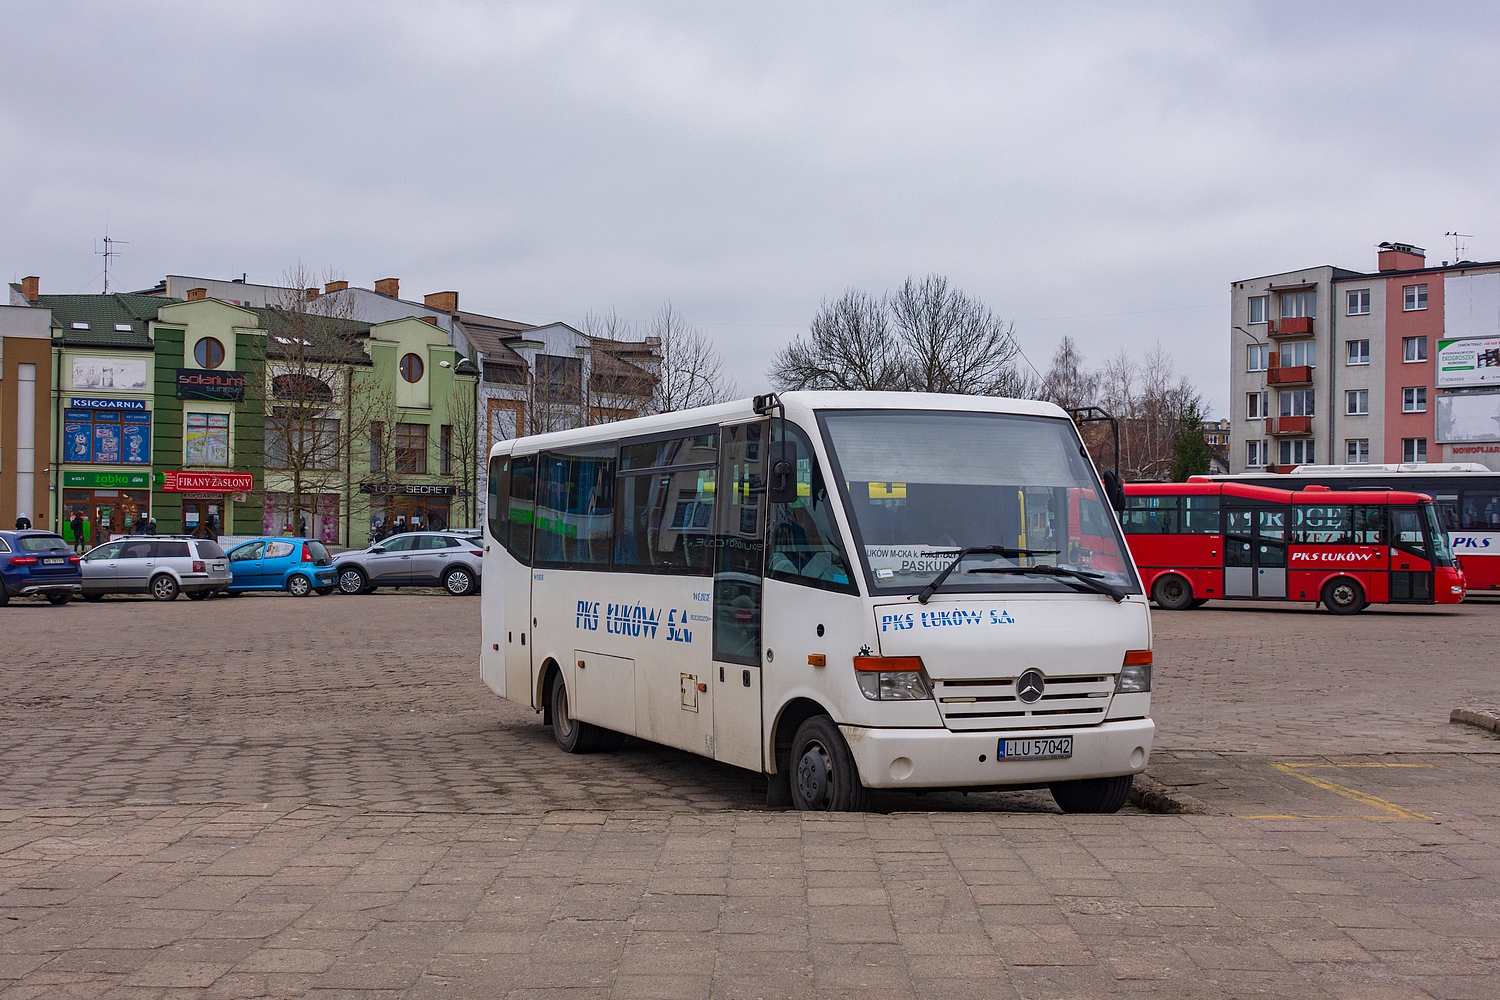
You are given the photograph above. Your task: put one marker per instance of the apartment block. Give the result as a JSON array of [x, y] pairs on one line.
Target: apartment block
[[1336, 366]]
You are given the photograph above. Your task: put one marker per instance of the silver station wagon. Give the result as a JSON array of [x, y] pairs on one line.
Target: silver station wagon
[[160, 565]]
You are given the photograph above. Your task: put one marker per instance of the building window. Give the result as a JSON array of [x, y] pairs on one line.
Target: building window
[[410, 445], [1256, 454], [560, 379], [1359, 352], [1358, 451], [1413, 349], [377, 446], [301, 388], [308, 444], [208, 352], [1257, 358], [1413, 449], [1299, 352], [1413, 298], [1256, 405], [1359, 302], [1357, 402], [205, 439], [445, 450], [1414, 399], [411, 368], [1297, 403], [1298, 452], [1298, 304], [1260, 306]]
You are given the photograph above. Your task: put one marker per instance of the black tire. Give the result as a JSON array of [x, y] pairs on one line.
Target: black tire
[[1198, 602], [325, 591], [59, 599], [1172, 593], [573, 736], [824, 775], [1343, 596], [352, 580], [163, 587], [4, 597], [458, 581], [1092, 795], [199, 595], [91, 598], [298, 585]]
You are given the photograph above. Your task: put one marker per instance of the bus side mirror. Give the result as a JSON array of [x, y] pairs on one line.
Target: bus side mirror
[[781, 472], [1115, 489]]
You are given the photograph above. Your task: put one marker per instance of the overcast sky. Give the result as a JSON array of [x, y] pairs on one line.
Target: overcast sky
[[1085, 170]]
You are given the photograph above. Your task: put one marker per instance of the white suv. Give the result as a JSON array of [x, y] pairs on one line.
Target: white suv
[[159, 565]]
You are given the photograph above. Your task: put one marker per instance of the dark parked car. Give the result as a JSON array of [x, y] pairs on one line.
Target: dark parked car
[[38, 563]]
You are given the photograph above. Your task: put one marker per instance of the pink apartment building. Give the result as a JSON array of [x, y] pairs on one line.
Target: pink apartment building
[[1341, 367]]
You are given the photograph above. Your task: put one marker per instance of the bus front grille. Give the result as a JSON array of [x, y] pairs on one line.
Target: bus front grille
[[1066, 703]]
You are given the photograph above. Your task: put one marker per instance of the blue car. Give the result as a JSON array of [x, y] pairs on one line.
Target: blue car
[[38, 563], [299, 566]]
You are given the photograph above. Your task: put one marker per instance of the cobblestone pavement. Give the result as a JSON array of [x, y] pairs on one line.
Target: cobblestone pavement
[[279, 797]]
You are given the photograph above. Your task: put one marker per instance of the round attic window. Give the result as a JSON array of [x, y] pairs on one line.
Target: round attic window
[[411, 368], [208, 352]]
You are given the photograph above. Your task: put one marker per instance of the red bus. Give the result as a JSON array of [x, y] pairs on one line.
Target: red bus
[[1467, 497], [1199, 541]]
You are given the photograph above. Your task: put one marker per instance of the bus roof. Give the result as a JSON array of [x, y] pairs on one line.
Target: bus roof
[[1409, 469], [800, 404], [1255, 491]]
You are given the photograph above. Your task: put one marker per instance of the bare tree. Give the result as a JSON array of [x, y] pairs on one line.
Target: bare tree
[[1067, 383], [925, 337], [463, 446], [690, 372], [1153, 403]]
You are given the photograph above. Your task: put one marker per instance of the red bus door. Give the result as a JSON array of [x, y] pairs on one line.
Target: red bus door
[[1255, 552], [1411, 569]]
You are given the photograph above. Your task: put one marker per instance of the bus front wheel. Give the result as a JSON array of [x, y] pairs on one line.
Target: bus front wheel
[[1343, 597], [1092, 795], [571, 734], [824, 775], [1172, 593]]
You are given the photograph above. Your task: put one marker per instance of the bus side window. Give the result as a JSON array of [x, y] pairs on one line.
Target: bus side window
[[1150, 516], [499, 498], [575, 509], [804, 538], [521, 507], [1200, 515], [1481, 511]]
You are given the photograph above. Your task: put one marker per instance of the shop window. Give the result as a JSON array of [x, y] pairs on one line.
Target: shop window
[[208, 352], [206, 439], [107, 437]]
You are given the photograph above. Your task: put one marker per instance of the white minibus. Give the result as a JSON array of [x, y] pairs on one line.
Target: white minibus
[[841, 590]]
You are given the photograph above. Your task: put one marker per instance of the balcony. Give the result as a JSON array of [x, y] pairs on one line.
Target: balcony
[[1290, 375], [1283, 426], [1295, 326]]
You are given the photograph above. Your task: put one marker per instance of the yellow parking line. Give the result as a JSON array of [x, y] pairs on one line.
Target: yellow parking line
[[1390, 809]]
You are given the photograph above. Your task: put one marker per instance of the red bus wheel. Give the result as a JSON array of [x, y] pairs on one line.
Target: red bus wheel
[[1343, 596], [1172, 593]]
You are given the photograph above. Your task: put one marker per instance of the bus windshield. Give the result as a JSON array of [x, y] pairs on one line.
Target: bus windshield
[[922, 485]]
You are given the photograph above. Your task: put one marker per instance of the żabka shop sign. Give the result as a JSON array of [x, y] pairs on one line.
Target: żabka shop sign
[[179, 481], [199, 383]]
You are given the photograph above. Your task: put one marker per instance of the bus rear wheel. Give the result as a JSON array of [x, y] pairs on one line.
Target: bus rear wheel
[[1092, 795], [1343, 596], [571, 734], [1172, 593], [824, 775]]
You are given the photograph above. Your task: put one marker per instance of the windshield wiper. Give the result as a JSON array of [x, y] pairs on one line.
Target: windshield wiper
[[1093, 581], [977, 550]]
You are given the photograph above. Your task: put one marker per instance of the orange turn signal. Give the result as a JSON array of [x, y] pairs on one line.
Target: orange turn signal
[[1137, 657], [889, 663], [817, 660]]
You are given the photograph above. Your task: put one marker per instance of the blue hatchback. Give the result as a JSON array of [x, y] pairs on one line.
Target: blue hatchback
[[299, 566], [38, 563]]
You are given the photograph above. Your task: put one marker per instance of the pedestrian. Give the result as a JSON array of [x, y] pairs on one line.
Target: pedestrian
[[79, 530], [151, 526], [400, 524], [23, 523]]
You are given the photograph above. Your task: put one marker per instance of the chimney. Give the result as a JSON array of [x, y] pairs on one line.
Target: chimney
[[194, 294], [428, 319], [446, 301], [335, 286], [389, 286], [309, 294], [31, 287], [1400, 257]]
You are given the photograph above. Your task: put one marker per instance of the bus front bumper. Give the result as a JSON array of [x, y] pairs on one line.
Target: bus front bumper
[[941, 758]]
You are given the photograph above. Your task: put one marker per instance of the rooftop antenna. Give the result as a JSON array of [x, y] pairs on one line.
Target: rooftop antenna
[[108, 252], [1460, 250]]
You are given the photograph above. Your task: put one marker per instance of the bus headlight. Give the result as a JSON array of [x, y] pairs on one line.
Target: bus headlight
[[892, 678], [1135, 673]]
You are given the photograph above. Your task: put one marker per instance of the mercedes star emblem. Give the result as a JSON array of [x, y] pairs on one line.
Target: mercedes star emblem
[[1029, 686]]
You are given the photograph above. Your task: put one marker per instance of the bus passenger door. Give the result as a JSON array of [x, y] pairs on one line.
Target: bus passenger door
[[740, 514], [516, 642], [1411, 571], [1270, 553], [1239, 553]]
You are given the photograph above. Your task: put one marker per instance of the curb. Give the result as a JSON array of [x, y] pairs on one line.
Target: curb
[[1478, 718], [1152, 796]]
